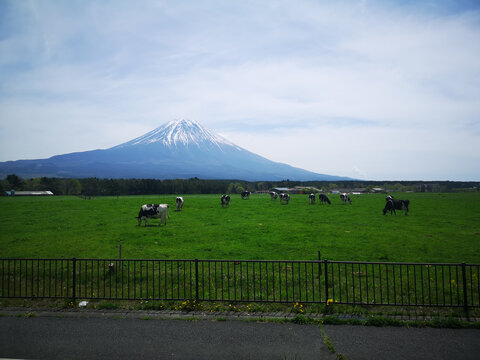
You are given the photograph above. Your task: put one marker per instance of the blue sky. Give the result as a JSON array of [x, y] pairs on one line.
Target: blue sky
[[380, 90]]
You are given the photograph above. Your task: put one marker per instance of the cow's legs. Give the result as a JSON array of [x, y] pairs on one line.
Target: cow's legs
[[140, 218], [163, 218]]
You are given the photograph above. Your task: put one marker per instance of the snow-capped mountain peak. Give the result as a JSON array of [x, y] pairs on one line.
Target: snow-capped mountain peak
[[179, 149], [179, 132]]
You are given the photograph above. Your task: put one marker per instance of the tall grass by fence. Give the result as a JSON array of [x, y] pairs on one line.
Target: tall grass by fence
[[322, 281]]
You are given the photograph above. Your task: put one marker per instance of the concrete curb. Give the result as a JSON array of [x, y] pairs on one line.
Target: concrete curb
[[193, 315], [146, 314]]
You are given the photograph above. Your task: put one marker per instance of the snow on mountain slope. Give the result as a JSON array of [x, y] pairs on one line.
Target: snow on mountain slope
[[179, 132]]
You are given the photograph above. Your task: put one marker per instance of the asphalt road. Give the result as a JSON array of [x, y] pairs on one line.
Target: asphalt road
[[100, 338], [55, 337], [395, 343]]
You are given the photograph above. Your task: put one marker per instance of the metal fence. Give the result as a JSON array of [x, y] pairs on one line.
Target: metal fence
[[316, 281]]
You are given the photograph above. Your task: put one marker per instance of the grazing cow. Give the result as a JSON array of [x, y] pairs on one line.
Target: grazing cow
[[312, 198], [225, 200], [179, 202], [245, 195], [390, 198], [273, 195], [345, 197], [323, 199], [392, 205], [284, 198], [153, 211]]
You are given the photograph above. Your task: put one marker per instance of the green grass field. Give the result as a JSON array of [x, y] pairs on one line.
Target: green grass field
[[440, 228]]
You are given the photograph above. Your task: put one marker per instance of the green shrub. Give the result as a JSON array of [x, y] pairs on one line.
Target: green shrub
[[107, 306]]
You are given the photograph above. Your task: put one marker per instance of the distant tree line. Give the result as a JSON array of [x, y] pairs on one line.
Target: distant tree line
[[115, 187]]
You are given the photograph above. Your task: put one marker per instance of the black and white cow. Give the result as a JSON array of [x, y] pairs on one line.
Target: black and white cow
[[284, 198], [323, 199], [273, 195], [225, 200], [392, 205], [245, 195], [153, 211], [179, 203], [345, 197], [312, 198]]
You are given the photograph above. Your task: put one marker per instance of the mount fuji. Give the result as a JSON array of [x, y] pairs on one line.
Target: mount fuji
[[179, 149]]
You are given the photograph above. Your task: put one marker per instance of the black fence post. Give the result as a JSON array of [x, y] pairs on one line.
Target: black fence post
[[464, 280], [74, 279], [320, 259], [319, 278], [326, 280], [196, 279]]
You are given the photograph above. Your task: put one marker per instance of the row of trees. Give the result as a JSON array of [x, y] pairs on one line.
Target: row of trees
[[96, 187]]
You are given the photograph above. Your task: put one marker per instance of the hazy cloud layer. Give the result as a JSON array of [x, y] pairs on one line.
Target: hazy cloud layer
[[380, 90]]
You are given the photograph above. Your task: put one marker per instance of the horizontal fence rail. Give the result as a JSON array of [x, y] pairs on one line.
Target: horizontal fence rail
[[288, 281]]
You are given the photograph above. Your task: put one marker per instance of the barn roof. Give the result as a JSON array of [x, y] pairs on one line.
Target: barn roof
[[280, 189], [31, 193]]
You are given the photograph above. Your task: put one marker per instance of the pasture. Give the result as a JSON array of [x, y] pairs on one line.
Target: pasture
[[441, 227]]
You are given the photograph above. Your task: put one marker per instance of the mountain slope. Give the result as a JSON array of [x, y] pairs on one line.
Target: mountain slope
[[177, 149]]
